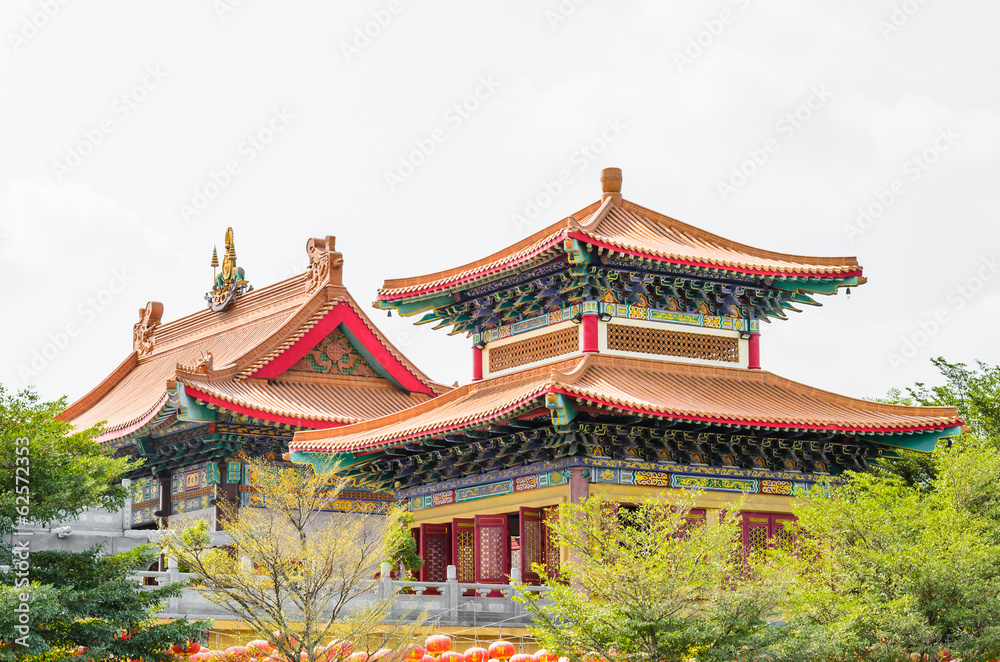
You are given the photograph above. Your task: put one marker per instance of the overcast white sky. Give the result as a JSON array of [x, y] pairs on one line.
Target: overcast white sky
[[116, 114]]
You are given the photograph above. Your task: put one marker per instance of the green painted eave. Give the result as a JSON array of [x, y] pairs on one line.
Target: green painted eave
[[923, 442], [327, 462], [407, 307], [819, 286]]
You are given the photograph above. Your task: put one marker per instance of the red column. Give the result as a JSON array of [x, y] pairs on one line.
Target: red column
[[753, 346], [477, 363], [579, 484], [590, 332]]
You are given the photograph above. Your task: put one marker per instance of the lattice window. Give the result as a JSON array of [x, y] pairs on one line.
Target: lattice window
[[538, 348], [466, 562], [435, 556], [532, 544], [673, 343], [551, 543], [756, 541], [491, 551], [783, 539]]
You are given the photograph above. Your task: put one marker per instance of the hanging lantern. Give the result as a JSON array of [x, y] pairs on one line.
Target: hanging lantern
[[339, 649], [476, 654], [501, 650], [415, 653], [451, 656], [545, 656], [437, 644]]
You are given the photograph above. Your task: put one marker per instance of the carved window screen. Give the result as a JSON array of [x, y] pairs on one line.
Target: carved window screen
[[538, 348], [673, 343]]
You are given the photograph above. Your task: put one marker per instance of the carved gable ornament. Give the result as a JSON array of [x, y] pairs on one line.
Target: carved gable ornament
[[144, 330], [325, 263]]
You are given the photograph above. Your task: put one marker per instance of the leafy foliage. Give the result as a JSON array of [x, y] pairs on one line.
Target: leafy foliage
[[401, 548], [889, 567], [67, 471], [644, 583], [85, 599], [294, 566]]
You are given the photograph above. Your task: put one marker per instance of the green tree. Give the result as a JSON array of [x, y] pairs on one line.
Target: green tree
[[974, 392], [48, 471], [294, 568], [644, 583], [85, 599], [890, 568]]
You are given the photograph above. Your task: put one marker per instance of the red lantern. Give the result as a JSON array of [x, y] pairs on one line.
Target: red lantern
[[338, 650], [522, 657], [238, 653], [187, 648], [380, 653], [357, 656], [451, 656], [476, 655], [414, 653], [427, 658], [259, 647], [437, 644], [288, 640], [501, 650]]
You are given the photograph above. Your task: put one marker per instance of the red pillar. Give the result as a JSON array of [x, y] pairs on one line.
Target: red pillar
[[579, 484], [590, 332], [754, 351], [477, 363]]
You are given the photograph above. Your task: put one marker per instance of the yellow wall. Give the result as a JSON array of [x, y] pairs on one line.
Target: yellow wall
[[507, 503], [552, 496], [768, 503]]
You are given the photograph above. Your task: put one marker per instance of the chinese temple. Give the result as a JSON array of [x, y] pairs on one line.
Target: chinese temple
[[199, 394], [615, 352]]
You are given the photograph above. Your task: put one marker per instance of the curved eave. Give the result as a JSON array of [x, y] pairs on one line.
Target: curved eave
[[266, 414], [881, 434]]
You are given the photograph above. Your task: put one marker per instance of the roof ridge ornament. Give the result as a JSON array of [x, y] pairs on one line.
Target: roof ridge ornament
[[325, 263], [144, 330], [231, 282], [611, 185]]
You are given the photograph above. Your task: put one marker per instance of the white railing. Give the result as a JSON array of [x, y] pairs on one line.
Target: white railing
[[447, 603]]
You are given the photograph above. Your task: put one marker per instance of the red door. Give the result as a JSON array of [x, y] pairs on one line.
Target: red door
[[435, 550], [756, 532], [463, 549], [532, 543], [492, 549]]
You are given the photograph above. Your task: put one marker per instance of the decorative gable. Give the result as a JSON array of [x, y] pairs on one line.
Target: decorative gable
[[334, 355]]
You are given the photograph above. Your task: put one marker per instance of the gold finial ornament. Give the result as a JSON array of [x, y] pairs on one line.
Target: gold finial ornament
[[231, 282]]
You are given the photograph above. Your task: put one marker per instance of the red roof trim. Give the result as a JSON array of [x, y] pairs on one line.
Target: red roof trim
[[748, 423], [473, 276], [422, 433], [709, 265], [344, 314], [256, 413], [582, 236]]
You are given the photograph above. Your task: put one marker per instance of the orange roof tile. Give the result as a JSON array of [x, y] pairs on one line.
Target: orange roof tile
[[253, 332], [629, 228], [730, 396]]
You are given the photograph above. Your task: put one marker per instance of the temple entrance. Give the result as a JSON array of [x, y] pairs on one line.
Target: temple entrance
[[485, 548]]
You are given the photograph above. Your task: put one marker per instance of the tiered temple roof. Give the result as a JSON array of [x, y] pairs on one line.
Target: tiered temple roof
[[663, 377], [299, 353]]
